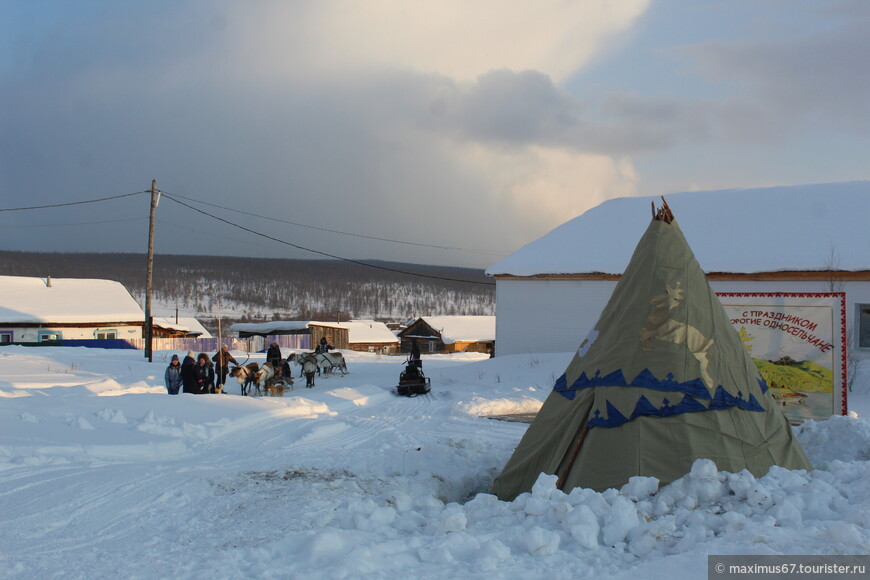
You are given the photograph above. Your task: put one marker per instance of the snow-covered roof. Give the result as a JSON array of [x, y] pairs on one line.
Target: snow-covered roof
[[66, 300], [278, 326], [462, 328], [195, 326], [190, 325], [790, 228], [368, 331]]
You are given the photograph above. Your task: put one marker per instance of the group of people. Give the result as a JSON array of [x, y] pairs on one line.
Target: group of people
[[199, 375], [202, 375]]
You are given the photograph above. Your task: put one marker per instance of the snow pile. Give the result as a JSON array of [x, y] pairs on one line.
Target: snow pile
[[347, 480]]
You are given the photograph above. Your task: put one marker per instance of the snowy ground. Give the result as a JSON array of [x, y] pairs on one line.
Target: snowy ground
[[103, 475]]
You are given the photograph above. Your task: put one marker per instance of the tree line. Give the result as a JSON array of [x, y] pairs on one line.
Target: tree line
[[270, 288]]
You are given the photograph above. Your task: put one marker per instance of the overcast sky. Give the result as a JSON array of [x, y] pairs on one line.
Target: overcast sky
[[478, 125]]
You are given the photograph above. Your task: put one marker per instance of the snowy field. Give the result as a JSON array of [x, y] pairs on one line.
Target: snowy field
[[103, 475]]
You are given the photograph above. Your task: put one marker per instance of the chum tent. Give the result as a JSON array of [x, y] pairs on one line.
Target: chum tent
[[663, 379]]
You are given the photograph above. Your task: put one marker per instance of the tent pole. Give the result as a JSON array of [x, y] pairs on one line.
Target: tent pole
[[560, 483]]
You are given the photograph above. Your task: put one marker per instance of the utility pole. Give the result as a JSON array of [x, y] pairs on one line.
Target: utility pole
[[149, 321]]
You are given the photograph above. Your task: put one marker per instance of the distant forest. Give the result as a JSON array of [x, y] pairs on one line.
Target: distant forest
[[256, 289]]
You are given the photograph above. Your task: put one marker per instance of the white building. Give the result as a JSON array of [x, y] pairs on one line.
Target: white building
[[812, 238], [50, 309]]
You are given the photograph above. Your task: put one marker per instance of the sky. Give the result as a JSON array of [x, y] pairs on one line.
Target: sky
[[446, 133]]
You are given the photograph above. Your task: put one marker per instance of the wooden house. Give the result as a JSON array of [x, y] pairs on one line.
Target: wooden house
[[299, 334], [446, 334], [51, 310], [370, 336]]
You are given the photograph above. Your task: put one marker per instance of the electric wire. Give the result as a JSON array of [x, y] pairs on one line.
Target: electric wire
[[74, 202], [292, 223], [326, 254], [67, 224]]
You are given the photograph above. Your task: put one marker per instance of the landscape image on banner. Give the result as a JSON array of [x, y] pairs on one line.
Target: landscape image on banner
[[793, 347]]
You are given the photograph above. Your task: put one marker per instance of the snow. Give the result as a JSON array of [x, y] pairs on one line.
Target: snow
[[368, 331], [103, 475], [789, 228], [462, 328], [66, 300]]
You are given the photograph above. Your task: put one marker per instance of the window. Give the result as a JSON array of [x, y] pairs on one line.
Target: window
[[433, 346], [48, 335], [863, 325], [106, 334], [5, 337]]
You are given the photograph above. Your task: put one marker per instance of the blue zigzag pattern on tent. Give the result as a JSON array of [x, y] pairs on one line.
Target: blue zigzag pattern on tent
[[688, 404], [692, 390], [645, 379]]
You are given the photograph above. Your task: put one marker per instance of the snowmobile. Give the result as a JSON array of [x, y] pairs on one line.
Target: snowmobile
[[412, 381]]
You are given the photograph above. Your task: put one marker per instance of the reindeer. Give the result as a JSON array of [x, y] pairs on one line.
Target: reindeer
[[309, 368], [660, 325], [245, 376]]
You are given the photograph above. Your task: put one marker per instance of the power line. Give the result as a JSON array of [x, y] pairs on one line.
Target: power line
[[292, 223], [74, 202], [28, 226], [328, 255]]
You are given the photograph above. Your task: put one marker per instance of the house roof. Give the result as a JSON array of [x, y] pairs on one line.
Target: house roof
[[368, 331], [278, 326], [66, 300], [772, 229], [187, 324], [462, 328]]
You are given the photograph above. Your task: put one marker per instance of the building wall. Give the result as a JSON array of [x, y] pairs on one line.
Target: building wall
[[555, 315], [546, 315], [469, 346], [384, 348], [31, 333]]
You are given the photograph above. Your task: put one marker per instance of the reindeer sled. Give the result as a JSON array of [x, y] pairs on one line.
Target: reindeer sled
[[267, 379], [412, 381]]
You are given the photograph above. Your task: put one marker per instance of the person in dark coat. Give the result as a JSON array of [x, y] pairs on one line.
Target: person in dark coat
[[187, 373], [414, 359], [273, 355], [203, 373], [222, 360], [172, 377], [323, 347]]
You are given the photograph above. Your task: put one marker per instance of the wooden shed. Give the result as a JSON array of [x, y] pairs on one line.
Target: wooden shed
[[307, 332], [446, 334]]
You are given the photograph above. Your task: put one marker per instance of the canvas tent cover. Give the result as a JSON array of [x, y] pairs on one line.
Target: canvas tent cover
[[662, 380]]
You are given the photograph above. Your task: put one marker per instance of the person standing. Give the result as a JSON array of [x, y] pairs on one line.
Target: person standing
[[172, 377], [323, 347], [273, 355], [187, 373], [222, 360], [203, 373], [415, 359]]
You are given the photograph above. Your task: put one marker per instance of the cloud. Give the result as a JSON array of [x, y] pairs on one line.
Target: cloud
[[782, 85], [455, 38], [442, 123]]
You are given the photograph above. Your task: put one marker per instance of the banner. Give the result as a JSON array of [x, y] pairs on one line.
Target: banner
[[798, 342]]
